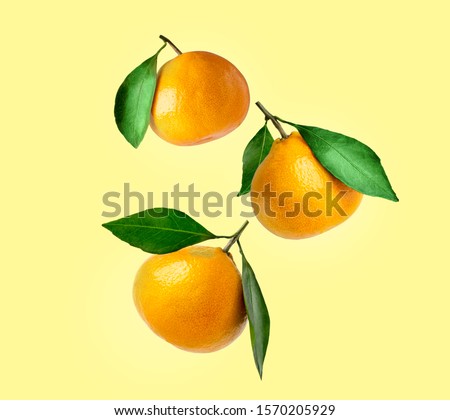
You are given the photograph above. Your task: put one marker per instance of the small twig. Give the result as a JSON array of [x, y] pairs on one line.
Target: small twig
[[171, 44], [235, 237], [270, 117]]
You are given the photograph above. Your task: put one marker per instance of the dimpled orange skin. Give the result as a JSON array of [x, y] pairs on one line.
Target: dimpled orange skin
[[199, 97], [291, 166], [192, 298]]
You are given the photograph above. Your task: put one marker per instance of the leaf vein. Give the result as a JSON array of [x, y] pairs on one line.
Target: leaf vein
[[159, 228]]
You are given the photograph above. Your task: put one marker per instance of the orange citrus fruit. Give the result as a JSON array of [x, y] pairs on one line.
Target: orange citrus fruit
[[199, 97], [192, 298], [294, 196]]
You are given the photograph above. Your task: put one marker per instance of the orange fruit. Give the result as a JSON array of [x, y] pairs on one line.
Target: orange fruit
[[199, 97], [192, 298], [294, 196]]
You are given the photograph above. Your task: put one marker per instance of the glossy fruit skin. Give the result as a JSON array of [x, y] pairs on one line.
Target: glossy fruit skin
[[192, 298], [199, 97], [291, 167]]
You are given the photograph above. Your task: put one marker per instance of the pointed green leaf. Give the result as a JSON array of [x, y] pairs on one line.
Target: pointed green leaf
[[255, 152], [349, 160], [258, 315], [134, 101], [159, 230]]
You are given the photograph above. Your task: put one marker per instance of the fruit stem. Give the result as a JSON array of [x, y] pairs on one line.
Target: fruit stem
[[235, 237], [270, 117], [171, 44]]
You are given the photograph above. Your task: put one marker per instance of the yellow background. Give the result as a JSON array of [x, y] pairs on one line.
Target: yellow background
[[361, 312]]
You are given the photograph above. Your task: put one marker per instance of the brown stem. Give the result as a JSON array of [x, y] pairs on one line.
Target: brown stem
[[235, 237], [270, 117], [171, 44]]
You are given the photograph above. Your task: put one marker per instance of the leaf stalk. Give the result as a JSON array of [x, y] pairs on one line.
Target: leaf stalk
[[270, 117], [235, 237], [165, 39]]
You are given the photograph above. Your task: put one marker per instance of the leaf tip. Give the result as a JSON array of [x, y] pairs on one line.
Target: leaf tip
[[242, 192], [134, 139], [393, 196], [135, 145], [396, 199]]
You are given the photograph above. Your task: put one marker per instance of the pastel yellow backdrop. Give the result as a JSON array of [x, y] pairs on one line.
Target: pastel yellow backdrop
[[361, 312]]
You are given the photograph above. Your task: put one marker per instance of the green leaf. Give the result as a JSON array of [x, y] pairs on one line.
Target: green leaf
[[255, 152], [159, 230], [258, 315], [134, 101], [349, 160]]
